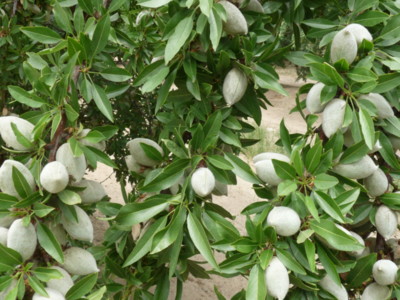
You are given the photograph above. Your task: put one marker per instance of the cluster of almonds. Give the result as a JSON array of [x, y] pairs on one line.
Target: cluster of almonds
[[55, 176]]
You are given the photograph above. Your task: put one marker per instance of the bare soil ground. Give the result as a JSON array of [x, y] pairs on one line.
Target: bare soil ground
[[239, 196]]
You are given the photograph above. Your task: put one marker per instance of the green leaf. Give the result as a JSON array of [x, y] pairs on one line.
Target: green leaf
[[102, 102], [335, 237], [62, 18], [9, 259], [97, 295], [357, 6], [205, 7], [7, 201], [46, 274], [283, 169], [94, 155], [391, 31], [115, 74], [371, 18], [387, 82], [37, 286], [167, 177], [325, 181], [135, 213], [215, 28], [328, 264], [220, 162], [313, 157], [211, 130], [290, 262], [69, 197], [326, 74], [162, 288], [354, 153], [21, 185], [362, 75], [82, 287], [362, 270], [87, 6], [49, 243], [178, 38], [153, 3], [100, 35], [42, 34], [24, 97], [367, 128], [143, 245], [265, 258], [392, 200], [169, 234], [200, 240], [256, 288], [387, 152], [286, 187], [329, 206], [241, 169], [155, 80]]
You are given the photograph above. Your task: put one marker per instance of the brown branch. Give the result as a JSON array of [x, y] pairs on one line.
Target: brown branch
[[55, 142]]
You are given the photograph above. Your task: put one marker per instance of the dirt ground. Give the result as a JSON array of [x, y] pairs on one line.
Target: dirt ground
[[239, 196]]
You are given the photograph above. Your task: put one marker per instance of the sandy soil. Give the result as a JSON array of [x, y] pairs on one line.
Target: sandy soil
[[239, 196]]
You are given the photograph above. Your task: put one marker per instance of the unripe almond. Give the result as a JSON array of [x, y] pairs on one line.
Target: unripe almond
[[235, 21], [234, 87], [359, 32], [54, 177], [81, 230], [7, 134], [93, 192], [277, 279], [265, 168], [357, 170], [63, 284], [270, 156], [138, 153], [76, 165], [383, 108], [99, 146], [132, 164], [349, 141], [6, 181], [377, 183], [285, 220], [384, 272], [344, 45], [3, 236], [333, 288], [376, 291], [253, 5], [174, 189], [53, 295], [395, 141], [385, 221], [78, 261], [358, 253], [313, 100], [333, 116], [203, 182], [22, 239]]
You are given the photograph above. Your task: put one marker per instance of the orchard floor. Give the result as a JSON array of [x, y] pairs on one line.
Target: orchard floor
[[239, 196]]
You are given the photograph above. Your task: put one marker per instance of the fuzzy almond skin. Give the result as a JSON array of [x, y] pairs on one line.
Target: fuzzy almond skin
[[330, 286], [313, 100], [269, 156], [359, 32], [63, 284], [234, 87], [81, 230], [375, 291], [78, 261], [203, 182], [359, 253], [132, 164], [54, 177], [53, 295], [385, 221], [138, 153], [235, 21], [3, 236], [277, 279], [384, 272], [76, 166], [333, 116], [383, 108], [7, 134], [6, 181], [357, 170], [349, 141], [377, 183], [285, 220], [344, 45], [22, 239], [93, 191], [254, 6]]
